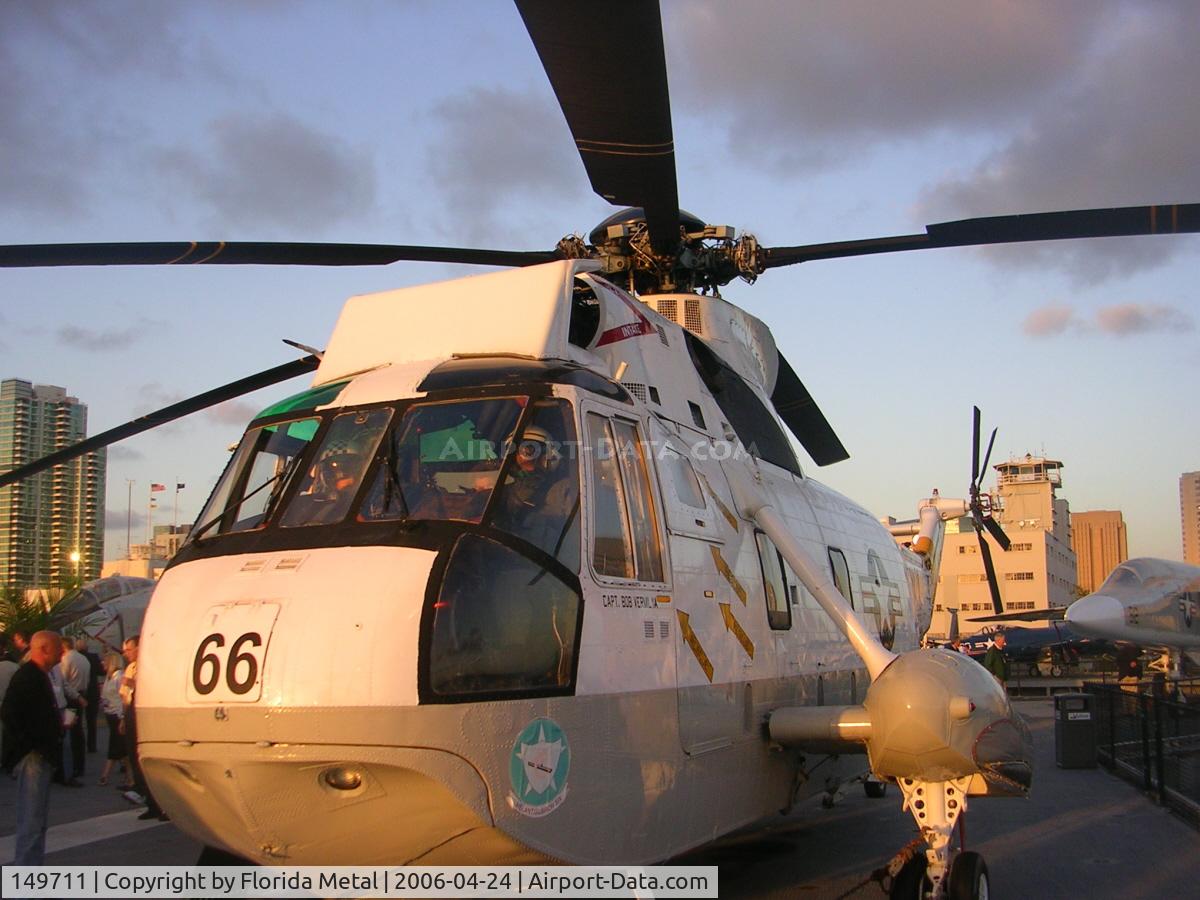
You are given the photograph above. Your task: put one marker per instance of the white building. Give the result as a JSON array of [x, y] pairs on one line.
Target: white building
[[1037, 571]]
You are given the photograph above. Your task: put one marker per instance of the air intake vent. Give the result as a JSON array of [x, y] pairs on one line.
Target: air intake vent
[[662, 335], [289, 563], [648, 629], [691, 316], [638, 390], [668, 308]]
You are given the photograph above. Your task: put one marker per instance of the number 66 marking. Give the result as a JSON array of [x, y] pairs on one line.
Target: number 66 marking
[[206, 667]]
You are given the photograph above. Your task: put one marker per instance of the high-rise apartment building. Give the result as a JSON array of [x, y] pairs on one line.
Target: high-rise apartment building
[[1038, 569], [1189, 513], [51, 524], [1099, 540]]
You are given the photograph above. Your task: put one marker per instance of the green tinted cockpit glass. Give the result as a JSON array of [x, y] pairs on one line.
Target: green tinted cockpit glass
[[310, 399]]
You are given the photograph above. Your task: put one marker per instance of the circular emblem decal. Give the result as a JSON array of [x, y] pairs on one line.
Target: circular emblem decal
[[538, 767]]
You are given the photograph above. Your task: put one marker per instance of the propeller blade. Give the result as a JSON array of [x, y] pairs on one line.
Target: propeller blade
[[987, 456], [997, 532], [163, 416], [260, 253], [608, 69], [1050, 226], [975, 454], [801, 414], [993, 585]]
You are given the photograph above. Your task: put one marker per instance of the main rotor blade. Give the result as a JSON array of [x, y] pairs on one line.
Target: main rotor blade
[[993, 585], [801, 414], [163, 416], [1051, 226], [262, 253], [608, 69]]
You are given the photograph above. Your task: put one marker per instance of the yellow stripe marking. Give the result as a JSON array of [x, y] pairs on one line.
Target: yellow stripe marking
[[732, 624], [723, 568], [689, 638]]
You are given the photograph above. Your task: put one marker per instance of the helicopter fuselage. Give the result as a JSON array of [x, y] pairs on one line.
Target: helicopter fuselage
[[497, 605]]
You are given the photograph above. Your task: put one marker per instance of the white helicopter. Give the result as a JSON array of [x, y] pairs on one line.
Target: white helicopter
[[583, 603]]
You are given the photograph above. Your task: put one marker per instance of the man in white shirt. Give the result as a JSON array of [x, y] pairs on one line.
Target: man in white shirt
[[76, 671]]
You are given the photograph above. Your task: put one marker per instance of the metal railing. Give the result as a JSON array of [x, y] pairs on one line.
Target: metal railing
[[1152, 739]]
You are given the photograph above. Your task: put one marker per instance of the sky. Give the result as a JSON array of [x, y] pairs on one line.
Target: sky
[[433, 123]]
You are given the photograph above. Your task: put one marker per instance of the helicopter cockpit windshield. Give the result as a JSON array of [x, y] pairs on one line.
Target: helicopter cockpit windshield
[[507, 462]]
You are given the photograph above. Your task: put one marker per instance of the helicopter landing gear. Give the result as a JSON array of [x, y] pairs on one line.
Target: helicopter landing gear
[[834, 794], [968, 878], [936, 806]]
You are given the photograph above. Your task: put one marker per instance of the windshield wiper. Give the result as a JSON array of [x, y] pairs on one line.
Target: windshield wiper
[[258, 490]]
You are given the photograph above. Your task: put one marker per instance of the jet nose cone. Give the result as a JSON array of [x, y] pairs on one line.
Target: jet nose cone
[[1096, 614]]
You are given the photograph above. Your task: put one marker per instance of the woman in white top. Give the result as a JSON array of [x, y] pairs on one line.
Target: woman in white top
[[110, 703]]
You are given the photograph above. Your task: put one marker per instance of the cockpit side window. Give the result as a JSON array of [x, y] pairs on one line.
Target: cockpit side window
[[256, 477], [625, 529], [538, 500], [611, 544]]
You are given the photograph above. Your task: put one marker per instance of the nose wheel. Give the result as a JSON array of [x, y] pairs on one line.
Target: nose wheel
[[939, 872]]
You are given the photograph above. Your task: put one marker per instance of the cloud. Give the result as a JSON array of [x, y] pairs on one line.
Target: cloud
[[95, 341], [1050, 106], [1134, 318], [233, 412], [1120, 320], [1049, 321], [497, 145], [1119, 132], [272, 171], [115, 520], [122, 453], [54, 48], [812, 85]]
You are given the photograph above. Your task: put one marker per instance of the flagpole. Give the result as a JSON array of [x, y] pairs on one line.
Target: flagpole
[[129, 520], [150, 520], [175, 514]]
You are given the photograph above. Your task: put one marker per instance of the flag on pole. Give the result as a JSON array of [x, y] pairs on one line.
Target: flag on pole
[[179, 487], [157, 487]]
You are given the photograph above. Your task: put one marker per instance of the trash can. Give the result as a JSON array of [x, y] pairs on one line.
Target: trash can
[[1074, 731]]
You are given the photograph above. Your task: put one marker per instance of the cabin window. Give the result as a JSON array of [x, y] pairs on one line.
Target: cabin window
[[539, 498], [779, 613], [680, 476], [625, 519], [256, 477], [611, 544], [336, 473], [502, 624], [442, 460], [841, 574], [642, 512]]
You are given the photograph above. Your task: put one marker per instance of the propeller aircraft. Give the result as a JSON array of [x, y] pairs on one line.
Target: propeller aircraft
[[532, 571]]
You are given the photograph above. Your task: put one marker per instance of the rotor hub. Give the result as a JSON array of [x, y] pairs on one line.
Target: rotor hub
[[708, 256]]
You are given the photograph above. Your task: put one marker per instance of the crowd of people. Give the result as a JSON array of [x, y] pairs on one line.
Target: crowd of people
[[53, 689]]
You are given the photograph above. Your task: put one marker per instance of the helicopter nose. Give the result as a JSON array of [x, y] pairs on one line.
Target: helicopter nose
[[1096, 614]]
